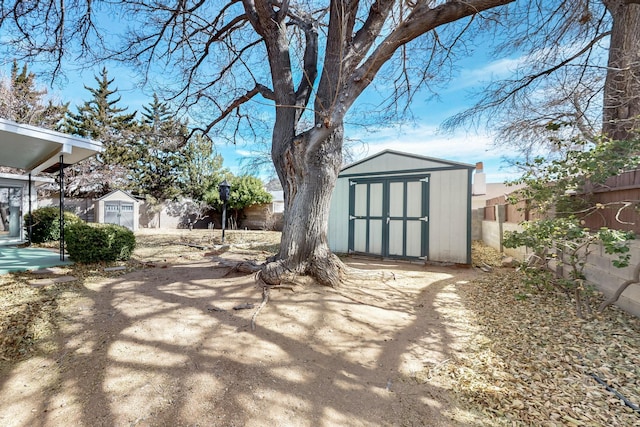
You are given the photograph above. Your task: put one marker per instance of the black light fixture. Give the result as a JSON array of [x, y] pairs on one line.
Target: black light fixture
[[224, 190]]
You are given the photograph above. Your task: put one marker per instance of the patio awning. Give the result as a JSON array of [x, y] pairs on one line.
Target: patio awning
[[37, 149]]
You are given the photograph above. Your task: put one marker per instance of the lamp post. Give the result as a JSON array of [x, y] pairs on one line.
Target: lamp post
[[224, 190]]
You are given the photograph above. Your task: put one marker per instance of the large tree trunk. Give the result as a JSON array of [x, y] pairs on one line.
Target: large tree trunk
[[308, 163], [308, 173], [621, 114]]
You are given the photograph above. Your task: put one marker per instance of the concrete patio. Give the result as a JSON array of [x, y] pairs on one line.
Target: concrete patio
[[14, 259]]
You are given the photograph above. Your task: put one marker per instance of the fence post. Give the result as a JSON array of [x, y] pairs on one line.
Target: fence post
[[501, 211]]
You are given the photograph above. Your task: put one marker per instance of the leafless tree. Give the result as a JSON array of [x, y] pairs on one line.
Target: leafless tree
[[580, 73], [307, 59]]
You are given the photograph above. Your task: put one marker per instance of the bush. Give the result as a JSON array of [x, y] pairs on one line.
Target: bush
[[99, 242], [45, 223]]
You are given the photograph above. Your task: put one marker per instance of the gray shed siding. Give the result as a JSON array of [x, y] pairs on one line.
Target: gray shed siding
[[449, 212], [119, 208], [449, 202]]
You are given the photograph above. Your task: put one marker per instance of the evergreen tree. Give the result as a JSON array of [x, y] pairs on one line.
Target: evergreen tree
[[101, 119], [22, 102], [156, 158]]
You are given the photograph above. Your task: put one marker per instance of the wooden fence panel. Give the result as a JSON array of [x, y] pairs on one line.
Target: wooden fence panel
[[490, 210], [615, 192], [615, 216], [490, 213], [516, 213]]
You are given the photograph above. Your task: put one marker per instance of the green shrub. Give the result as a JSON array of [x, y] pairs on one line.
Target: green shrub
[[99, 242], [45, 223]]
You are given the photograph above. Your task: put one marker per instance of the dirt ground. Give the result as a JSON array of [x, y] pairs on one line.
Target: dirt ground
[[167, 341]]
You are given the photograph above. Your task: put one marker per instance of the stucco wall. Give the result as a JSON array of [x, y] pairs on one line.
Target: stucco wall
[[84, 208], [600, 271]]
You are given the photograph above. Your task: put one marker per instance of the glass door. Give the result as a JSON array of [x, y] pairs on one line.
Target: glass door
[[10, 213]]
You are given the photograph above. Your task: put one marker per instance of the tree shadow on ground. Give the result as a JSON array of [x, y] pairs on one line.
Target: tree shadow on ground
[[166, 347]]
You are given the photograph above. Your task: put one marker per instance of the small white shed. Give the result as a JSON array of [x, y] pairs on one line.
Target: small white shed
[[119, 208], [402, 205]]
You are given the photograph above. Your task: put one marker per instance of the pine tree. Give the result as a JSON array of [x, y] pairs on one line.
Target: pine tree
[[156, 158], [101, 119], [22, 102]]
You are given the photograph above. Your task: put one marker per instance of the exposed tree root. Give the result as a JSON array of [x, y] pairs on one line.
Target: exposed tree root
[[266, 292], [276, 272], [235, 266], [265, 299], [326, 271]]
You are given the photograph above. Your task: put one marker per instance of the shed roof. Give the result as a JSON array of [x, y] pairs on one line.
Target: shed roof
[[115, 193], [37, 149], [412, 161]]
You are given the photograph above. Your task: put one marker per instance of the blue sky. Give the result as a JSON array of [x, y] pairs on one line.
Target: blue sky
[[423, 137]]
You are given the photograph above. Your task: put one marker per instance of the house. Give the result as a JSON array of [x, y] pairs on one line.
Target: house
[[17, 196], [33, 151]]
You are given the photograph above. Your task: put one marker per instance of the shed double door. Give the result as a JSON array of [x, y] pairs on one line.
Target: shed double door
[[117, 212], [389, 217]]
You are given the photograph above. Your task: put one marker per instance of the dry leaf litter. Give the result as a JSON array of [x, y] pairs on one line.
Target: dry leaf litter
[[533, 364]]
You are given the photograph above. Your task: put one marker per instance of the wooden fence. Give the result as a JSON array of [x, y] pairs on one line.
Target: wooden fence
[[620, 196], [514, 213], [500, 216]]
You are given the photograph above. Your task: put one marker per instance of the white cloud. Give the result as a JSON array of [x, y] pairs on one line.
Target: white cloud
[[472, 76], [497, 69], [244, 153], [427, 141]]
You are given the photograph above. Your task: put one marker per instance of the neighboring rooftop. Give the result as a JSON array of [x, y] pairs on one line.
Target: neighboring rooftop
[[496, 189]]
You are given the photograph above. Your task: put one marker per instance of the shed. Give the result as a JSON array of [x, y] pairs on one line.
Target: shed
[[402, 205], [118, 208]]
